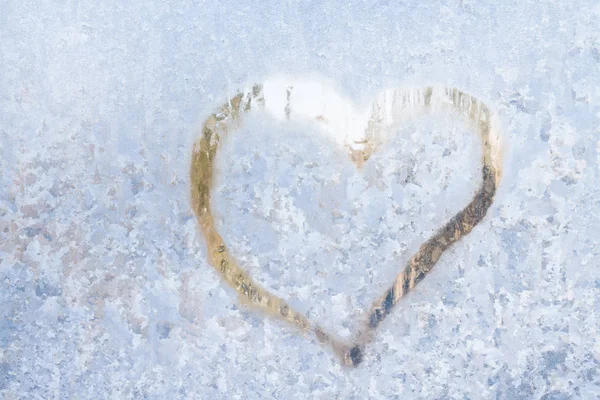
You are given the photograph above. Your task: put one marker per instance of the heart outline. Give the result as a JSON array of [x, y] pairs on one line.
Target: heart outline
[[308, 100]]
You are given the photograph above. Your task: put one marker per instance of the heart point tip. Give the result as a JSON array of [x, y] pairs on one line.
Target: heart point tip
[[354, 356]]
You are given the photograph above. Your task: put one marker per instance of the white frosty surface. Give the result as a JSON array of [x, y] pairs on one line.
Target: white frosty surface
[[329, 237], [104, 291]]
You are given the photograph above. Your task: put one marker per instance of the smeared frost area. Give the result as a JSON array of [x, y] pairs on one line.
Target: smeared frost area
[[104, 287]]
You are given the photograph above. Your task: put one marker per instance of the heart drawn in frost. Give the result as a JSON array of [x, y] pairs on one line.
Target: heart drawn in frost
[[361, 134]]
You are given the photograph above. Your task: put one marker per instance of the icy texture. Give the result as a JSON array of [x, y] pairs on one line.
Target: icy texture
[[104, 291], [325, 235]]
